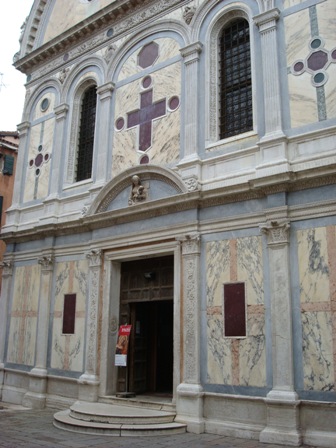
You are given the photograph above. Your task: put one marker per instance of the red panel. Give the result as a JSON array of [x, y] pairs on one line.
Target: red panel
[[234, 310], [69, 313]]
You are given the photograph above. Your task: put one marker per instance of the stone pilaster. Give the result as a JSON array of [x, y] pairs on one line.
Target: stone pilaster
[[7, 275], [36, 396], [105, 94], [190, 165], [89, 381], [61, 113], [282, 401], [189, 404], [273, 146], [23, 129]]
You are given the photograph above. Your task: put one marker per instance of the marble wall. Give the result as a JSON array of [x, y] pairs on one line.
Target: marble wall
[[317, 265], [236, 361], [310, 101], [165, 129], [23, 316], [67, 350]]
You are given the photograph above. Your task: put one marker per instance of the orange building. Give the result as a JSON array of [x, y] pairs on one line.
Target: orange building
[[9, 144]]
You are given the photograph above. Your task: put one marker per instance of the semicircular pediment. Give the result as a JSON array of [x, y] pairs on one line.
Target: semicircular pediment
[[137, 185]]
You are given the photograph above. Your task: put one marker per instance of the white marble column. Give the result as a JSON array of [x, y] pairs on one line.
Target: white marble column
[[89, 381], [36, 396], [7, 276], [273, 145], [190, 164], [282, 401], [105, 93], [189, 403]]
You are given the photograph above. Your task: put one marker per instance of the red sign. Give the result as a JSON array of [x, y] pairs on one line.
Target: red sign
[[122, 345]]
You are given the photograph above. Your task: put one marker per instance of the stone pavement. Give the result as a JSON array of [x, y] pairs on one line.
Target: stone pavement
[[22, 428]]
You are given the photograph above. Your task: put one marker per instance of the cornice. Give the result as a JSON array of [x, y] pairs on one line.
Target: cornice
[[122, 16]]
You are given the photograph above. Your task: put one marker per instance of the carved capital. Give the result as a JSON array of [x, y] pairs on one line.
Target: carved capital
[[277, 232], [105, 90], [94, 257], [7, 268], [191, 53], [191, 244], [267, 20], [46, 262], [23, 128], [61, 111]]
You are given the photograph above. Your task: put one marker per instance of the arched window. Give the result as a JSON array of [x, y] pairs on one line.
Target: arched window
[[235, 87], [86, 134]]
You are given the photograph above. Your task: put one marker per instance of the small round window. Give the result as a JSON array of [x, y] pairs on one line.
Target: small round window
[[44, 104]]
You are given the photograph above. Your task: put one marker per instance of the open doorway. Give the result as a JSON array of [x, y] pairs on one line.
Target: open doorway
[[146, 293]]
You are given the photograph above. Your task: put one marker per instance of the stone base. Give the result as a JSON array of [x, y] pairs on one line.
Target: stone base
[[283, 419], [36, 396], [189, 407], [88, 387]]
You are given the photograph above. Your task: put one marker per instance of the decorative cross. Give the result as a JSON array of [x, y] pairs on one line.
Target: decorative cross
[[144, 117]]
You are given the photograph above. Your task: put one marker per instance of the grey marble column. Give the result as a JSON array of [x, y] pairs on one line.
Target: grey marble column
[[105, 93], [89, 381], [36, 396], [7, 275], [282, 401], [189, 404]]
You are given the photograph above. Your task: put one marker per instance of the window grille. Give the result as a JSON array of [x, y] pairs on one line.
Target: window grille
[[235, 80], [86, 134]]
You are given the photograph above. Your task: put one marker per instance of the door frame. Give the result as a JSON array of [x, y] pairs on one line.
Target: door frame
[[111, 307]]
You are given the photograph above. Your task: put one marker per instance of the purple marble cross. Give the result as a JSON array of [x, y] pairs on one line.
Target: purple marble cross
[[144, 117]]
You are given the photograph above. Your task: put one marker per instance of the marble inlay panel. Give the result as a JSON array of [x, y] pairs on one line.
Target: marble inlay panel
[[330, 91], [297, 31], [23, 316], [38, 112], [165, 130], [66, 14], [317, 262], [289, 3], [326, 14], [303, 102], [68, 350], [236, 361], [168, 48]]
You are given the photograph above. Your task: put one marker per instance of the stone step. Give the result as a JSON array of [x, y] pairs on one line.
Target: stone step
[[111, 413], [63, 420], [142, 401]]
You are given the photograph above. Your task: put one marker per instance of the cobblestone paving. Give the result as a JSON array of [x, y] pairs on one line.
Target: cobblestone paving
[[34, 429]]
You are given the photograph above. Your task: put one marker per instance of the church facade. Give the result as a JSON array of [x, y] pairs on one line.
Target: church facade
[[176, 172]]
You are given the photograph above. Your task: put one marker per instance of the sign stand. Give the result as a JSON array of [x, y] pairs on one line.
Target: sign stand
[[121, 356]]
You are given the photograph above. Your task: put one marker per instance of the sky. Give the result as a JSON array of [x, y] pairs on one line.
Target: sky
[[12, 90]]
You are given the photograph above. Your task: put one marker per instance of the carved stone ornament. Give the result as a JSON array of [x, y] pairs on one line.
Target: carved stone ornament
[[7, 267], [191, 244], [63, 75], [46, 262], [192, 183], [84, 210], [113, 325], [276, 232], [110, 52], [94, 257], [188, 14], [138, 191]]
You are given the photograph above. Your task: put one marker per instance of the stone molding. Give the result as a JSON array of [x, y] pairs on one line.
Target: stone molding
[[124, 14]]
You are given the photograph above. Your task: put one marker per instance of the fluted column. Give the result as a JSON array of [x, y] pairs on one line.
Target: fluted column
[[105, 94], [189, 402], [267, 23], [36, 396], [7, 275], [89, 381], [282, 401]]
